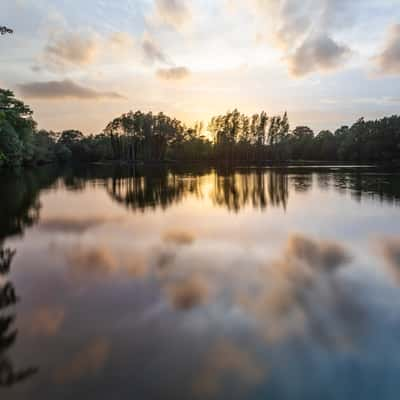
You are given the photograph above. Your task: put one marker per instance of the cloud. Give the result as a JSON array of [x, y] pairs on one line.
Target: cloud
[[324, 255], [47, 321], [300, 295], [72, 49], [102, 261], [173, 13], [152, 51], [64, 89], [189, 292], [178, 237], [174, 73], [304, 31], [317, 54], [164, 259], [121, 42], [136, 266], [390, 249], [226, 359], [71, 225], [388, 61], [87, 361], [92, 261]]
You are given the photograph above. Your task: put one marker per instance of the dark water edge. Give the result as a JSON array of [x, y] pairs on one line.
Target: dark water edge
[[194, 163]]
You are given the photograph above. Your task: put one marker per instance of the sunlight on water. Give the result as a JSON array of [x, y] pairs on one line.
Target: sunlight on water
[[202, 283]]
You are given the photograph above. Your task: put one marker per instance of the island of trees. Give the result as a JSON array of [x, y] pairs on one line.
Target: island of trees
[[137, 137]]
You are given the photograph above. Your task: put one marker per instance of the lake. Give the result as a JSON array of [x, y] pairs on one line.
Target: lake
[[200, 283]]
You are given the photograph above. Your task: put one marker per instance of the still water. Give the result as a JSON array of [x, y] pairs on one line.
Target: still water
[[119, 283]]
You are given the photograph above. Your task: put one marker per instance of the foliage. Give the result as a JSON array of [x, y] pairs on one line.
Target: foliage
[[232, 137], [4, 30], [143, 136], [16, 130]]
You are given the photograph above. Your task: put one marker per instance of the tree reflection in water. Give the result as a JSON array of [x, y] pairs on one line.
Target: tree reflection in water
[[9, 375], [258, 189], [19, 202], [139, 187], [154, 189], [375, 185], [233, 190], [19, 209]]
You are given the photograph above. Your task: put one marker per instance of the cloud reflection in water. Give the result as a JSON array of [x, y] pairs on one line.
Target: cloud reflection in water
[[197, 293]]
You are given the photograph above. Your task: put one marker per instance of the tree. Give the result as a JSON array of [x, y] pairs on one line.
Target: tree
[[4, 30], [325, 146], [143, 136], [16, 130], [236, 137], [302, 138], [44, 143], [70, 137]]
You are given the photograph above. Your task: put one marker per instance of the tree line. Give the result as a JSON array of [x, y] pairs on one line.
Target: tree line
[[232, 137]]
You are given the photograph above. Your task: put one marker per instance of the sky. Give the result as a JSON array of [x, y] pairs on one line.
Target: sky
[[81, 64]]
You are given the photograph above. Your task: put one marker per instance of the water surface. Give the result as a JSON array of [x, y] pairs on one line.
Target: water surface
[[201, 283]]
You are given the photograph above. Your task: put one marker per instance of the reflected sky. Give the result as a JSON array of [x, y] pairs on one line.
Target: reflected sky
[[203, 283]]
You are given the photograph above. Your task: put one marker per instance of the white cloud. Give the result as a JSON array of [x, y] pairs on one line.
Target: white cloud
[[152, 51], [321, 53]]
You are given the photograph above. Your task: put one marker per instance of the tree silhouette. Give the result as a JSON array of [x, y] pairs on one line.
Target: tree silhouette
[[4, 30], [257, 188], [233, 137], [147, 136], [153, 189], [9, 376]]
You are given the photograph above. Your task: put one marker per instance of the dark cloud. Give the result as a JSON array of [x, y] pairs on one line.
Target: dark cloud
[[321, 53], [323, 255], [164, 259], [392, 99], [305, 32], [292, 20], [70, 225], [153, 52], [188, 293], [86, 361], [64, 89], [226, 359], [46, 320], [388, 61], [36, 68], [301, 295], [338, 14], [174, 73]]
